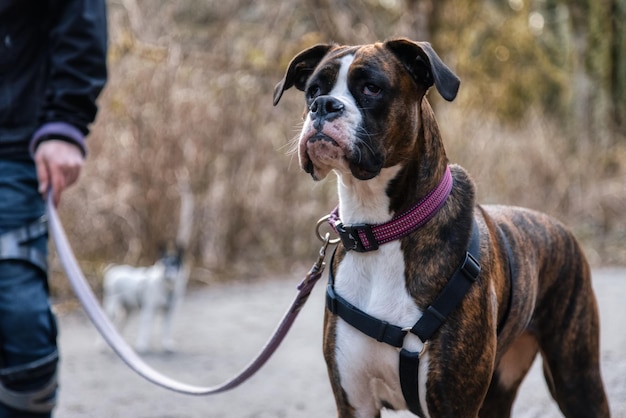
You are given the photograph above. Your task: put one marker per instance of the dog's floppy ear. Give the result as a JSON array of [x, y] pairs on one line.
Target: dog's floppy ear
[[300, 69], [425, 66]]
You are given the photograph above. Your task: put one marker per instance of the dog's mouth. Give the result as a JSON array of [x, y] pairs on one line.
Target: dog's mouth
[[321, 137], [320, 153]]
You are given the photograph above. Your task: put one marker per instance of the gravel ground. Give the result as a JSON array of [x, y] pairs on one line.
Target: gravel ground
[[221, 327]]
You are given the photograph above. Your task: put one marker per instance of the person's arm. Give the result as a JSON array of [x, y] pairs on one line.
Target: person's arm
[[77, 74]]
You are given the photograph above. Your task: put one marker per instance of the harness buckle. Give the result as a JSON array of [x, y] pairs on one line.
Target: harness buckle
[[382, 330], [351, 239], [470, 267]]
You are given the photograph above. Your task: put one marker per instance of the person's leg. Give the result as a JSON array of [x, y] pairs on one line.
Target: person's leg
[[28, 350]]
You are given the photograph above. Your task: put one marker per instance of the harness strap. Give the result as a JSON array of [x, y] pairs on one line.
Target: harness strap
[[512, 274], [381, 331], [431, 320], [451, 296], [434, 316], [409, 380], [14, 244]]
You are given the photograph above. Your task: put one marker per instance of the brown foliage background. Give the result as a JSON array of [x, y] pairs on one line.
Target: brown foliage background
[[189, 107]]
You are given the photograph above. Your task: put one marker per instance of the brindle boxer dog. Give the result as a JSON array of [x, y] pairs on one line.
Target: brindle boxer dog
[[368, 120]]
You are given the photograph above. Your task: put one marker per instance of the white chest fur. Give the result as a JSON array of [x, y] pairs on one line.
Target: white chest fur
[[374, 282]]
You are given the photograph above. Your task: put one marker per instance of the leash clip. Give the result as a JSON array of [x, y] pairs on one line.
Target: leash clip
[[322, 254], [318, 268]]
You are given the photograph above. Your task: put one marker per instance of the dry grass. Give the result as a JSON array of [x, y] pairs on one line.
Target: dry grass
[[535, 166], [190, 97]]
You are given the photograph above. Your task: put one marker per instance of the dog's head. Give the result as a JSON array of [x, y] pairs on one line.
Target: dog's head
[[171, 262], [363, 103]]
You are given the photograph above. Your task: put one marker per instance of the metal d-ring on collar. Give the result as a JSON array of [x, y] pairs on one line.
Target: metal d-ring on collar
[[326, 237]]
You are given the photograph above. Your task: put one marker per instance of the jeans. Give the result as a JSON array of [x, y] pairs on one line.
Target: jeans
[[28, 329]]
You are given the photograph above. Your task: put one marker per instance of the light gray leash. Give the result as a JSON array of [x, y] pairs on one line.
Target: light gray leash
[[128, 355]]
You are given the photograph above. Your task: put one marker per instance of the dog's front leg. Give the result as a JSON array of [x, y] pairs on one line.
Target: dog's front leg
[[145, 326], [146, 317], [344, 408], [167, 342]]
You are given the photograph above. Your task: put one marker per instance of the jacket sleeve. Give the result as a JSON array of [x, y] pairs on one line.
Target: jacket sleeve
[[77, 72]]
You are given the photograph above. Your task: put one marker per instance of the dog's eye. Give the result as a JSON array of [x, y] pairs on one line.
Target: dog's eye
[[371, 90]]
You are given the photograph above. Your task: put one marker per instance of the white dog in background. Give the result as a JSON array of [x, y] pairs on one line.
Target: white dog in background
[[148, 290]]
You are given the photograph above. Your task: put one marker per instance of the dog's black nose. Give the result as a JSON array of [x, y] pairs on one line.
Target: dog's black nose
[[326, 108]]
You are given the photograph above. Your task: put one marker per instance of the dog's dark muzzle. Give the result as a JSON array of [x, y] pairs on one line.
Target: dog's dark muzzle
[[365, 170], [365, 161]]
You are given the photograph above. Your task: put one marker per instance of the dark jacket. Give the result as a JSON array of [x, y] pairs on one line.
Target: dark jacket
[[52, 69]]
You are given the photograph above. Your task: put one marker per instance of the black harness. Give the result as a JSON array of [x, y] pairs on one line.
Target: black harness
[[432, 318]]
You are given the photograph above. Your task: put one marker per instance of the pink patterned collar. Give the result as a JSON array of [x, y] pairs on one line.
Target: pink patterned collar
[[365, 237]]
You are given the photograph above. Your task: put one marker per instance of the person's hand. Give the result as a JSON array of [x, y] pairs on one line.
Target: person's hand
[[58, 166]]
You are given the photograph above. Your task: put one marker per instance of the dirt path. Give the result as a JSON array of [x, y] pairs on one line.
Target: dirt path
[[221, 327]]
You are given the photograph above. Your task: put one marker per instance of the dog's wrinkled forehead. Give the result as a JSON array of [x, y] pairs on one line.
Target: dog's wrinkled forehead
[[397, 57], [327, 71], [344, 62]]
